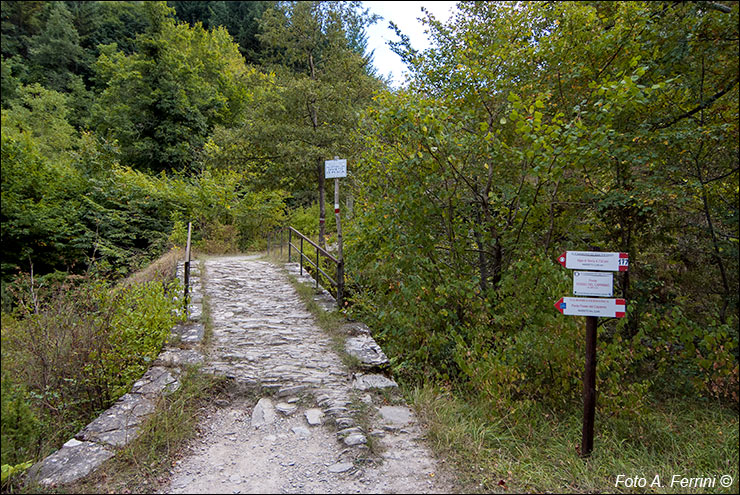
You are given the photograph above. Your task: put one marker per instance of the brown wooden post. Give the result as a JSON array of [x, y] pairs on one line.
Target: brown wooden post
[[589, 388]]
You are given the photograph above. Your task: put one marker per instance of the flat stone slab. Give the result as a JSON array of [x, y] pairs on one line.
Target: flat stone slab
[[285, 408], [174, 357], [314, 417], [355, 439], [190, 332], [119, 424], [301, 431], [396, 415], [340, 467], [155, 381], [293, 390], [263, 413], [364, 348], [366, 382], [72, 462]]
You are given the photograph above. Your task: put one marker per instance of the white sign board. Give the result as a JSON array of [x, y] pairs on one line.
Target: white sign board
[[593, 284], [589, 306], [335, 169], [594, 260]]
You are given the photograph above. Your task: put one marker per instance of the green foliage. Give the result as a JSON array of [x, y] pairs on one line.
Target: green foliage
[[55, 53], [38, 222], [305, 219], [258, 213], [20, 425], [76, 346], [240, 19], [8, 471], [41, 114], [161, 102], [531, 129]]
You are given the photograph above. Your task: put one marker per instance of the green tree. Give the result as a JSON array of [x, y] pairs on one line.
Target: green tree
[[531, 129], [55, 54], [161, 102], [321, 85], [240, 19]]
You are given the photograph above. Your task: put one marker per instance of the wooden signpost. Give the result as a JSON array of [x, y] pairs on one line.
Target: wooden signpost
[[592, 283], [336, 169]]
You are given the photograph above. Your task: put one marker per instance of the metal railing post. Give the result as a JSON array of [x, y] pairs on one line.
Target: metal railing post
[[290, 240], [186, 270], [301, 256], [318, 270], [340, 283]]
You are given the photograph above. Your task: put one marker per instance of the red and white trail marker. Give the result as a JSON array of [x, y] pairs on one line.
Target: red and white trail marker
[[591, 306], [594, 260]]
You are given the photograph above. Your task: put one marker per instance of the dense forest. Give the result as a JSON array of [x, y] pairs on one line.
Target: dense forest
[[526, 130]]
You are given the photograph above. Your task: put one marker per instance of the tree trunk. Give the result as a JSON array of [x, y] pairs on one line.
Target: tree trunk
[[322, 206]]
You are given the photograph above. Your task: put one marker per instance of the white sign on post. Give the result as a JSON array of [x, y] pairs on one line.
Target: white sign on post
[[335, 169], [594, 260], [589, 306], [593, 284]]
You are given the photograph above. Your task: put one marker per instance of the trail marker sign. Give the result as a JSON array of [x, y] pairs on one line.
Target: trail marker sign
[[335, 169], [594, 260], [593, 284], [591, 306]]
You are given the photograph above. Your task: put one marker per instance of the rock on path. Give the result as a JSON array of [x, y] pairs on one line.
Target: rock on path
[[303, 435]]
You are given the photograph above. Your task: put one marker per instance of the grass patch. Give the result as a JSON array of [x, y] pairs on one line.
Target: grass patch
[[163, 269], [535, 450]]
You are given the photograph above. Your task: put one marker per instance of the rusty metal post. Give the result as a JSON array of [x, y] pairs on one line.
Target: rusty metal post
[[318, 270], [301, 256], [290, 240], [186, 269]]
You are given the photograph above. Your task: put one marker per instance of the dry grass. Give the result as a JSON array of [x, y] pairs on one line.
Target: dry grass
[[162, 269]]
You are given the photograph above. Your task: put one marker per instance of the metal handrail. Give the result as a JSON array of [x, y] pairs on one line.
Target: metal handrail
[[338, 283]]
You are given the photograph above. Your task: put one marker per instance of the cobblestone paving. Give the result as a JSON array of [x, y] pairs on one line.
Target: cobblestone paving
[[303, 435]]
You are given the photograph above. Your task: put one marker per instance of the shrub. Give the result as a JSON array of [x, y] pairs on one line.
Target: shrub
[[78, 345]]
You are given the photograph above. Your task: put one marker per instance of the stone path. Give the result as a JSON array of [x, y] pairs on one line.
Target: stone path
[[309, 426], [305, 424]]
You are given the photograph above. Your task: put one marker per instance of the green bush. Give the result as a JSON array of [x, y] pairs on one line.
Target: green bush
[[78, 345], [20, 426]]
